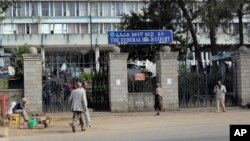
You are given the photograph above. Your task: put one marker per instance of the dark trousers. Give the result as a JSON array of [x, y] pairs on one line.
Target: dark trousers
[[77, 115]]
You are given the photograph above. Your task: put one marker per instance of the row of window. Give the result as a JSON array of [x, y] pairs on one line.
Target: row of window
[[230, 28], [57, 28], [96, 28], [73, 8]]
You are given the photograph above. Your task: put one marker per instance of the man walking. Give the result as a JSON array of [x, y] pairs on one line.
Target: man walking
[[220, 91], [78, 105], [86, 113]]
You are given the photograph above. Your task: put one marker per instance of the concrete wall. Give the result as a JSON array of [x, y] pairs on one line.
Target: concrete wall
[[33, 81], [140, 102], [242, 77], [118, 82], [166, 71]]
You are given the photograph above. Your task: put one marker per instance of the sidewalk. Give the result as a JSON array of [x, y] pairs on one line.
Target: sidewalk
[[68, 115]]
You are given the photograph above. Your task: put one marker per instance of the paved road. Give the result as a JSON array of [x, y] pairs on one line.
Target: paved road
[[170, 126]]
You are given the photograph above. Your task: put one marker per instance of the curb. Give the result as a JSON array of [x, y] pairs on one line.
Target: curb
[[4, 132]]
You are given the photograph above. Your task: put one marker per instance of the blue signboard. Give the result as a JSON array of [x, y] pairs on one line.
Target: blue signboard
[[140, 37]]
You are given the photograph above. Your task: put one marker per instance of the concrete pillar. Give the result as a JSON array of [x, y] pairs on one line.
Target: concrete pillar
[[118, 82], [2, 58], [43, 56], [33, 81], [241, 62], [97, 55], [166, 71]]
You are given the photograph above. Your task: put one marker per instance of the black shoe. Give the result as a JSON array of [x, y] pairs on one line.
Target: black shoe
[[82, 127], [73, 127]]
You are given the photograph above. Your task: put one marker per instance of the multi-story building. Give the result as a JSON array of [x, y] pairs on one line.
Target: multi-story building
[[77, 26], [63, 25]]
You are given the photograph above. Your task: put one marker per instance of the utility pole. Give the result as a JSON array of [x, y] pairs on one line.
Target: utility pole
[[91, 44]]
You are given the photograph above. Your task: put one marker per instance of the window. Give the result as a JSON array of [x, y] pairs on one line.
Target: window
[[136, 7], [21, 9], [14, 9], [94, 8], [27, 28], [113, 8], [51, 8], [71, 9], [78, 28], [235, 27], [119, 8], [201, 28], [71, 28], [106, 8], [8, 12], [95, 28], [141, 5], [21, 28], [129, 7], [58, 28], [9, 29], [34, 8], [107, 27], [45, 28], [115, 27], [246, 27], [65, 13], [58, 8], [101, 28], [34, 28], [45, 8], [27, 8], [83, 7], [177, 27], [100, 9], [84, 28], [77, 8]]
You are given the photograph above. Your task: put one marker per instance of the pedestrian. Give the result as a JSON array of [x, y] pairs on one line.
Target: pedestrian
[[158, 99], [20, 108], [220, 91], [86, 113], [78, 105]]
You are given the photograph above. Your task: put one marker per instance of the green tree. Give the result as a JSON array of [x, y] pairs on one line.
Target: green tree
[[18, 59], [240, 8], [190, 15], [4, 5], [160, 14], [215, 13]]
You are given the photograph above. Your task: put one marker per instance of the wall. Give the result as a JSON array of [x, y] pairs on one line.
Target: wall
[[33, 81], [138, 102], [166, 70], [242, 76], [118, 82], [12, 95]]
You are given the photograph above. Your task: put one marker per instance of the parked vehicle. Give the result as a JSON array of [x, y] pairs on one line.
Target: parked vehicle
[[133, 69]]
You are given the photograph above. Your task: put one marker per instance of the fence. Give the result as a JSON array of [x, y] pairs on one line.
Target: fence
[[196, 89]]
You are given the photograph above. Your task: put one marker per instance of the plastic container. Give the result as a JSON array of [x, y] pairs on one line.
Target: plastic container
[[31, 123]]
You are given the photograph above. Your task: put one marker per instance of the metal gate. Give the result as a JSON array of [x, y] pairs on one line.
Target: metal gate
[[100, 87], [196, 89], [61, 72]]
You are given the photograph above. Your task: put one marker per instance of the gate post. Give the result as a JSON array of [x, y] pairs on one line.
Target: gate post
[[166, 71], [32, 67], [242, 76], [118, 81]]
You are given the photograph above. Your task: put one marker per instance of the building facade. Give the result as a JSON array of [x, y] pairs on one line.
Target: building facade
[[80, 25]]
